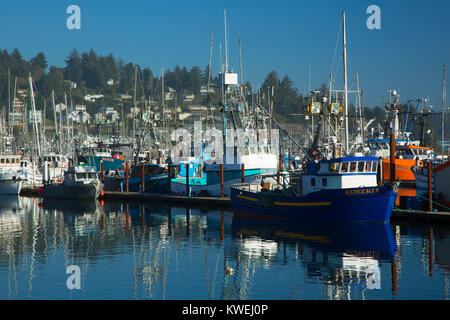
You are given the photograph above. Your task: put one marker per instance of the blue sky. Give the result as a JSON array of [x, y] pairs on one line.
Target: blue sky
[[287, 36]]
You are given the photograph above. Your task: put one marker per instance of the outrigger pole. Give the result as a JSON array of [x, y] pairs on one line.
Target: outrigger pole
[[284, 130]]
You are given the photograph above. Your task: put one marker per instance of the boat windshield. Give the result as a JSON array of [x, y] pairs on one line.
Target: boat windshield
[[355, 166], [85, 175]]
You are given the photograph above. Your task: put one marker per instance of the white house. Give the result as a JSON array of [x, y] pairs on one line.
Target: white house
[[93, 97]]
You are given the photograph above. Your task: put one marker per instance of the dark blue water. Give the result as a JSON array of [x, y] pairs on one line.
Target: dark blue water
[[179, 253]]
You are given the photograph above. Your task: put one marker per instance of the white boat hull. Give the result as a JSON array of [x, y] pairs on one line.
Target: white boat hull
[[10, 183]]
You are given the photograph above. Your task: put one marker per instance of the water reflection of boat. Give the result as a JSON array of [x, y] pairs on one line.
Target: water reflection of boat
[[346, 258], [9, 202], [70, 205], [362, 239]]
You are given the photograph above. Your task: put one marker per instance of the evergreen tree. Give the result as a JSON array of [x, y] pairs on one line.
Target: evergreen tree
[[73, 70], [40, 61]]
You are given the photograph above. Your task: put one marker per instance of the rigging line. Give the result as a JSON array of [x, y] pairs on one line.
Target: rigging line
[[335, 48]]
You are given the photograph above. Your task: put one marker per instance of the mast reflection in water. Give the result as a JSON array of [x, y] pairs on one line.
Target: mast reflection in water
[[141, 251]]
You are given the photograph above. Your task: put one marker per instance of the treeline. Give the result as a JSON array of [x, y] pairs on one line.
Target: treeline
[[111, 76]]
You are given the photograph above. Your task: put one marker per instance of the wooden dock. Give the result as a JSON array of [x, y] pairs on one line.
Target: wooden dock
[[420, 215], [168, 199], [225, 202]]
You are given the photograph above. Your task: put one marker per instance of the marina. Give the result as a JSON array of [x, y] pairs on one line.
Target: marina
[[136, 251], [122, 183]]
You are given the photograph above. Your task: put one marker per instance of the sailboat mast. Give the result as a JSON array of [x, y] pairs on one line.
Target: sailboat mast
[[34, 115], [345, 83], [58, 144]]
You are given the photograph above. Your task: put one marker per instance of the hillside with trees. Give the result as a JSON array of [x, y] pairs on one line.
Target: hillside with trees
[[111, 76]]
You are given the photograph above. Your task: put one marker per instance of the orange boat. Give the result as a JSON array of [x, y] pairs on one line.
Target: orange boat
[[407, 156]]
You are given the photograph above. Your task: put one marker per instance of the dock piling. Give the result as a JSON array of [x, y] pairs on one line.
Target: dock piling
[[101, 172], [169, 174], [430, 189], [127, 168], [221, 180], [392, 158], [187, 179], [143, 177]]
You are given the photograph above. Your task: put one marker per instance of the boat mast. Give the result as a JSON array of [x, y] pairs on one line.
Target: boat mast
[[9, 101], [443, 110], [34, 114], [208, 97], [345, 84], [226, 45], [58, 143], [224, 90], [134, 102]]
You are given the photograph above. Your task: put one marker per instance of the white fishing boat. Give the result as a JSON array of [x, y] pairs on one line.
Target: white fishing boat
[[80, 182], [12, 174], [258, 155], [57, 164]]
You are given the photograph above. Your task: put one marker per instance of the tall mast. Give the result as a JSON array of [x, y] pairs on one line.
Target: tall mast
[[240, 61], [226, 42], [443, 109], [34, 114], [345, 85], [360, 108], [208, 97], [9, 99], [58, 144], [134, 101]]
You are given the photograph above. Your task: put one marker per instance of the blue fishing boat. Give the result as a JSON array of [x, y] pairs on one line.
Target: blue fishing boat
[[340, 189], [95, 156], [156, 178]]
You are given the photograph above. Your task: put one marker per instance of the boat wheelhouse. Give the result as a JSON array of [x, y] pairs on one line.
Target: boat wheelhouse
[[340, 173], [95, 156]]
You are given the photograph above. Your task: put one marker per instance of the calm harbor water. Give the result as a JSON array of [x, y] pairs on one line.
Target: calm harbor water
[[141, 252]]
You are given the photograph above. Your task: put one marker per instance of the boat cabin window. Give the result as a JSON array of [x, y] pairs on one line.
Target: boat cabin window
[[313, 182], [85, 175], [324, 182], [368, 166], [361, 166], [353, 166], [344, 167], [374, 166]]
